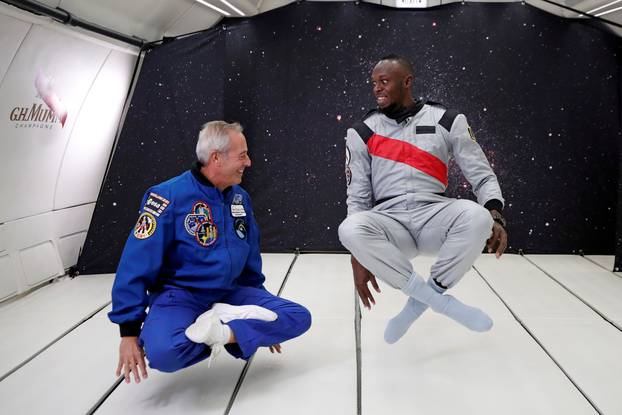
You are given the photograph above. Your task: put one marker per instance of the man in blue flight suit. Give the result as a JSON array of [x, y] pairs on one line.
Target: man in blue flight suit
[[194, 260]]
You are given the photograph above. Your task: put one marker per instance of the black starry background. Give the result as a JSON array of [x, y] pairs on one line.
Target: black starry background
[[541, 93]]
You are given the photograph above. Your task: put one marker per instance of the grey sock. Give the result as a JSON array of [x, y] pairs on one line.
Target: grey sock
[[470, 317], [399, 325]]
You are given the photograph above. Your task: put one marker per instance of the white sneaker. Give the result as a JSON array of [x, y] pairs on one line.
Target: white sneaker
[[228, 312], [207, 329]]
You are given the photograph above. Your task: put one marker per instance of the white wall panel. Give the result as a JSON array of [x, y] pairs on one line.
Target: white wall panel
[[69, 221], [71, 225], [50, 174], [69, 248], [12, 32], [31, 154], [40, 263], [84, 164], [8, 277], [32, 243], [41, 247], [3, 243], [28, 232]]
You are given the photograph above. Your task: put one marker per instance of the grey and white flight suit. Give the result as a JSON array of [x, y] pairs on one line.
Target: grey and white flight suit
[[396, 171]]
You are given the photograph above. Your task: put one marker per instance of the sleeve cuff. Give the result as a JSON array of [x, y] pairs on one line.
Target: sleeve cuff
[[494, 204], [130, 329]]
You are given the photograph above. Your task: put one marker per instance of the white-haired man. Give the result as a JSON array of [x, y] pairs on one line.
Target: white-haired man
[[193, 258]]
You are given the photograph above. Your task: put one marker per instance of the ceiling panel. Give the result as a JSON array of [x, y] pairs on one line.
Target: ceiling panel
[[152, 19]]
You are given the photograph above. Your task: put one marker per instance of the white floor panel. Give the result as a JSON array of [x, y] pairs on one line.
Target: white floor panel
[[194, 390], [30, 323], [528, 290], [439, 367], [316, 372], [605, 261], [444, 369], [197, 389], [599, 288], [590, 353], [274, 267], [69, 377], [585, 345]]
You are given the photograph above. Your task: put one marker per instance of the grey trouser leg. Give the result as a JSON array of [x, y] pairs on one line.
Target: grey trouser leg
[[457, 233], [381, 244]]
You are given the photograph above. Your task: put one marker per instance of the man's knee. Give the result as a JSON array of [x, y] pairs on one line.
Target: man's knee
[[304, 319], [480, 220], [352, 228], [164, 357], [299, 318]]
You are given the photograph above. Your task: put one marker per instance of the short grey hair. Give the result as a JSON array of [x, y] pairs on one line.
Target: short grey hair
[[214, 137]]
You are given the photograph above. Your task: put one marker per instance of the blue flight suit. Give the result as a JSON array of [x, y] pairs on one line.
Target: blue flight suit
[[191, 247]]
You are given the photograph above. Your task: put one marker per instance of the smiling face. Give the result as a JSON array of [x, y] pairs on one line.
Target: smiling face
[[391, 85], [226, 168], [233, 162]]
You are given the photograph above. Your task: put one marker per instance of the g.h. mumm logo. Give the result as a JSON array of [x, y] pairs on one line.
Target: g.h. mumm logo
[[39, 114]]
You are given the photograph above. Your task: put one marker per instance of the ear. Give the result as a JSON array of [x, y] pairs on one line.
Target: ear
[[408, 81], [214, 158]]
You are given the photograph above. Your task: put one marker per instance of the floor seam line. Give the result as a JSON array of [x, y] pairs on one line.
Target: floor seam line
[[574, 294], [105, 396], [533, 336], [359, 364], [54, 341], [247, 365], [601, 266]]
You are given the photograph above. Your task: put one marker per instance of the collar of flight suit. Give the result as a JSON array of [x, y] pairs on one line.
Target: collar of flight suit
[[195, 169], [400, 114]]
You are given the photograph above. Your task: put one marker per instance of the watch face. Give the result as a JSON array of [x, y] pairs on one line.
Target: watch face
[[497, 217]]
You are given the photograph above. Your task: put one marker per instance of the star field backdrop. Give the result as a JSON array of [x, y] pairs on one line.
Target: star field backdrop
[[541, 93]]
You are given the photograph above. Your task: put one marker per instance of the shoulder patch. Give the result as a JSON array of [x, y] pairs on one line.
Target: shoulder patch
[[145, 226], [155, 204], [363, 131], [447, 120]]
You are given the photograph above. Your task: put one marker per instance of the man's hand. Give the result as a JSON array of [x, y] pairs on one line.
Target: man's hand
[[131, 359], [498, 240], [275, 348], [361, 277]]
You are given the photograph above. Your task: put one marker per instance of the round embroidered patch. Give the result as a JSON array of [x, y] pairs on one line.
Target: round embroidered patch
[[206, 233], [192, 221], [145, 226]]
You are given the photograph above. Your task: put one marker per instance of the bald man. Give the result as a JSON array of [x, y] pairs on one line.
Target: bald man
[[396, 172]]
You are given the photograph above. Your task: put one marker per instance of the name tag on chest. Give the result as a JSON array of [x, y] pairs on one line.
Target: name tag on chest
[[237, 211]]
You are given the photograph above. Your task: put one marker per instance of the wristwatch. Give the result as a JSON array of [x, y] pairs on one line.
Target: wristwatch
[[497, 217]]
